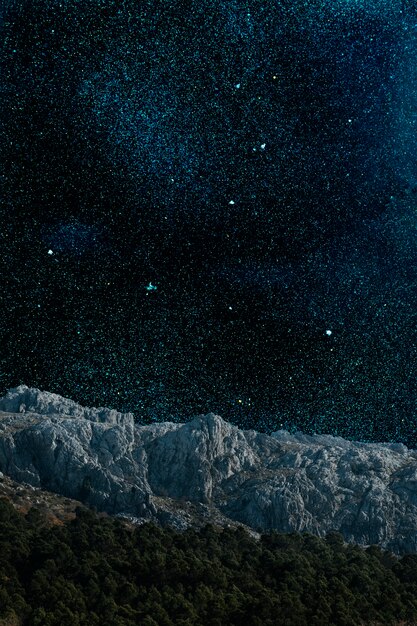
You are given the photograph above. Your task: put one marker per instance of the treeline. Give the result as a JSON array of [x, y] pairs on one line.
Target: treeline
[[97, 571]]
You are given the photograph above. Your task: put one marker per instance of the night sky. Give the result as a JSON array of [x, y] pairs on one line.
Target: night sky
[[212, 206]]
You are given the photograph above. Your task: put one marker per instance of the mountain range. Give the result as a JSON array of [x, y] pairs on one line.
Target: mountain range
[[209, 471]]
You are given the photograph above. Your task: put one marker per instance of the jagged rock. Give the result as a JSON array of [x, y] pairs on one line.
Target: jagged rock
[[23, 400], [209, 470]]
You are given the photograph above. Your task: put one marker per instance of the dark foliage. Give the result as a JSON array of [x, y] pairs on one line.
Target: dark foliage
[[97, 571]]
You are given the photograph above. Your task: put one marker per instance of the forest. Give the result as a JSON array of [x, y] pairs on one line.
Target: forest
[[101, 571]]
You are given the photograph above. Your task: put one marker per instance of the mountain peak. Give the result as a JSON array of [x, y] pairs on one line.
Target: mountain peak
[[23, 399]]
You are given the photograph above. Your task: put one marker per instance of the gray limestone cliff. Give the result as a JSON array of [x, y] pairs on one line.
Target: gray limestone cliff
[[209, 470], [23, 399]]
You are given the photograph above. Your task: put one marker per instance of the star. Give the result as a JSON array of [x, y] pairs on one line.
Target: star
[[138, 184]]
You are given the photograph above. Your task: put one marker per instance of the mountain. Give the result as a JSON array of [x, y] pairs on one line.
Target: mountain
[[208, 470]]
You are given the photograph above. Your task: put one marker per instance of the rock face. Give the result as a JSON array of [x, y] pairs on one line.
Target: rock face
[[209, 470], [22, 399]]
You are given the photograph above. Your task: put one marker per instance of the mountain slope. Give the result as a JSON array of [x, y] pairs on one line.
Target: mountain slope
[[209, 470]]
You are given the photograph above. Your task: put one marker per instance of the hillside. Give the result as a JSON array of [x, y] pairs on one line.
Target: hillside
[[101, 572]]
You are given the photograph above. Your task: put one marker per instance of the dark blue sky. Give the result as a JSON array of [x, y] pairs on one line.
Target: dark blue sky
[[256, 163]]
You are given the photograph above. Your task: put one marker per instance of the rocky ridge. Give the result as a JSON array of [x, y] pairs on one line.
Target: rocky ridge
[[208, 470]]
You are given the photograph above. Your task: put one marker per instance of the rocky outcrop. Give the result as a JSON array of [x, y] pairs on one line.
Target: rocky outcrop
[[24, 399], [209, 470]]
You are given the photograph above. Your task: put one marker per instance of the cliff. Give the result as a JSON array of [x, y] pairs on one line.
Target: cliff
[[209, 470]]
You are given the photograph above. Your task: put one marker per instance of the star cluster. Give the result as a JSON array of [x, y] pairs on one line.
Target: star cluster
[[212, 207]]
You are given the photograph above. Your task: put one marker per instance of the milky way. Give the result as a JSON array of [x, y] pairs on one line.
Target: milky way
[[213, 207]]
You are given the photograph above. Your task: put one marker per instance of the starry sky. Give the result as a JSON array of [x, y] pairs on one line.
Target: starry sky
[[212, 206]]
